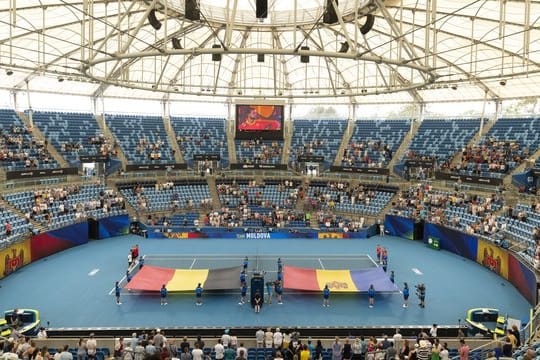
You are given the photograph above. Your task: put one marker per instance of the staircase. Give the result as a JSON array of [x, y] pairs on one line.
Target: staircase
[[36, 225], [344, 142], [178, 158], [508, 178], [230, 142], [38, 135], [487, 126], [100, 119], [211, 180], [398, 155], [286, 153]]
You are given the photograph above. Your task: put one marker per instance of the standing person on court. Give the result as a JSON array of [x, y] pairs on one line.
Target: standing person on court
[[279, 291], [279, 264], [371, 295], [326, 296], [378, 251], [141, 263], [392, 276], [130, 260], [198, 294], [243, 277], [405, 295], [128, 276], [257, 301], [163, 294], [269, 286], [243, 293], [117, 293], [245, 263]]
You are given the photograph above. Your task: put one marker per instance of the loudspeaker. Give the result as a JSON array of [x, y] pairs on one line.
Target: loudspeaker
[[418, 230], [176, 44], [370, 20], [192, 12], [261, 10], [260, 57], [344, 47], [304, 58], [330, 15], [93, 229], [216, 57], [153, 20]]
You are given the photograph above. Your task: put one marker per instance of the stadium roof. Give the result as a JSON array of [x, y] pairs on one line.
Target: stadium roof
[[416, 50]]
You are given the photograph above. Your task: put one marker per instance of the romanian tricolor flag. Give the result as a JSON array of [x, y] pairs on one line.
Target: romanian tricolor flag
[[151, 278], [296, 278]]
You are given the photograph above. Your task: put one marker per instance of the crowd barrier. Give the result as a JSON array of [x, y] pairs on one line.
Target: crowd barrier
[[42, 245], [488, 254]]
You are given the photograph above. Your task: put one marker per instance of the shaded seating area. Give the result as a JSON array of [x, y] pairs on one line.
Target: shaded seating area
[[166, 196], [440, 139], [63, 205], [508, 143], [143, 139], [317, 138], [373, 142], [365, 199], [18, 149], [200, 136], [73, 134], [258, 151]]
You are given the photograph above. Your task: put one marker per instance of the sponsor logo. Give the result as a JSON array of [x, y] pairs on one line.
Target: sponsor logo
[[257, 235], [12, 263], [337, 285]]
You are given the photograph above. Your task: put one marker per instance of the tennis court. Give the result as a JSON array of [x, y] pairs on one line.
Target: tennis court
[[258, 263]]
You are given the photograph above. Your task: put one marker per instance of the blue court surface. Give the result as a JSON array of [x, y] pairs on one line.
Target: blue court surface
[[74, 288]]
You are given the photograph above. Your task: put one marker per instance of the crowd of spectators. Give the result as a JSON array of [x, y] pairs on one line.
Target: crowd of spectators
[[103, 146], [151, 149], [261, 152], [51, 202], [367, 154], [143, 200], [252, 194], [338, 192], [493, 156], [330, 221], [424, 202], [16, 144]]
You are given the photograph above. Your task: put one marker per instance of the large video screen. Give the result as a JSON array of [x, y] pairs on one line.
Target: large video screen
[[259, 122]]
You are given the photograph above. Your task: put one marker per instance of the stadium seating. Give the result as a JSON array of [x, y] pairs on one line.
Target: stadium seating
[[440, 139], [258, 151], [318, 138], [373, 136], [504, 147], [72, 134], [196, 136], [143, 139], [18, 149], [63, 205], [363, 200], [178, 194]]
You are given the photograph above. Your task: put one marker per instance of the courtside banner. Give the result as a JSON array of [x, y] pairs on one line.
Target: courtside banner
[[14, 257]]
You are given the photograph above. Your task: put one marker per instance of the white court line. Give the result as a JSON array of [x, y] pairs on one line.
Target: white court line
[[193, 263], [213, 257], [93, 272], [320, 262], [373, 261], [416, 271]]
